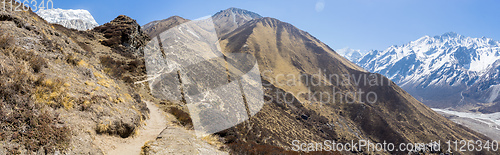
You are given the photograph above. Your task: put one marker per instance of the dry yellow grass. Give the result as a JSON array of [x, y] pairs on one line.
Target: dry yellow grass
[[98, 75], [53, 93], [213, 140], [92, 84], [82, 63], [104, 82], [127, 97], [102, 128]]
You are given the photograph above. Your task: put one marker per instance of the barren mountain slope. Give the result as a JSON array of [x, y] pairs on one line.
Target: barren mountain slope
[[228, 20], [296, 108], [154, 28], [282, 50]]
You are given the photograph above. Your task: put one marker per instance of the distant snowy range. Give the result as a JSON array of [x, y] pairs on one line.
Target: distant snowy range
[[455, 75], [74, 19]]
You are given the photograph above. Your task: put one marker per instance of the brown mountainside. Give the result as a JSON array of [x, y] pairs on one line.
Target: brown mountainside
[[64, 91], [71, 88], [154, 28], [296, 69], [282, 49], [68, 91]]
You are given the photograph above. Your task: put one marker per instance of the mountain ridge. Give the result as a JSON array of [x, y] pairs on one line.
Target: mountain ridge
[[228, 20], [154, 28], [446, 63], [284, 49]]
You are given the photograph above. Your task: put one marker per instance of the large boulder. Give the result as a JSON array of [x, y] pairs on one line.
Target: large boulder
[[123, 33]]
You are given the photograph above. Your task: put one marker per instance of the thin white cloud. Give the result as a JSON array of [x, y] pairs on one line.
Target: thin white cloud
[[320, 5]]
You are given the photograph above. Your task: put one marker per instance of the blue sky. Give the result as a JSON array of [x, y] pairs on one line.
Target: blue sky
[[358, 24]]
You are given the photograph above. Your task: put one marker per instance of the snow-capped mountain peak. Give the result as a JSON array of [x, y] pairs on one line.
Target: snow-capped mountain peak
[[76, 19], [351, 54], [475, 54], [451, 35], [450, 61]]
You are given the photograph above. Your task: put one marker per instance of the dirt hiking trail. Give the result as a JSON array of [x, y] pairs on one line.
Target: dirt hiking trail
[[165, 137], [132, 145]]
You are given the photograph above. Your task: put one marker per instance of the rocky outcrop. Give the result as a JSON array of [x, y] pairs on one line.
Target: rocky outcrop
[[123, 33]]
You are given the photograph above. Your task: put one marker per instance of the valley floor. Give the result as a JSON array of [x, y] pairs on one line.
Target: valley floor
[[487, 124]]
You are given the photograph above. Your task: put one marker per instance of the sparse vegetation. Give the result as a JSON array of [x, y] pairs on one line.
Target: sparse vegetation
[[115, 127], [114, 67], [24, 123], [251, 147], [214, 140], [38, 63], [5, 40], [53, 89], [183, 117], [72, 59], [52, 93], [85, 47], [32, 128], [122, 69]]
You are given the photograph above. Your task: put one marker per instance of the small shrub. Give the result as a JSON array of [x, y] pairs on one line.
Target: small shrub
[[128, 79], [37, 63], [116, 127], [183, 117], [6, 41], [102, 128], [98, 75], [72, 59], [83, 103], [85, 47], [133, 64], [115, 68]]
